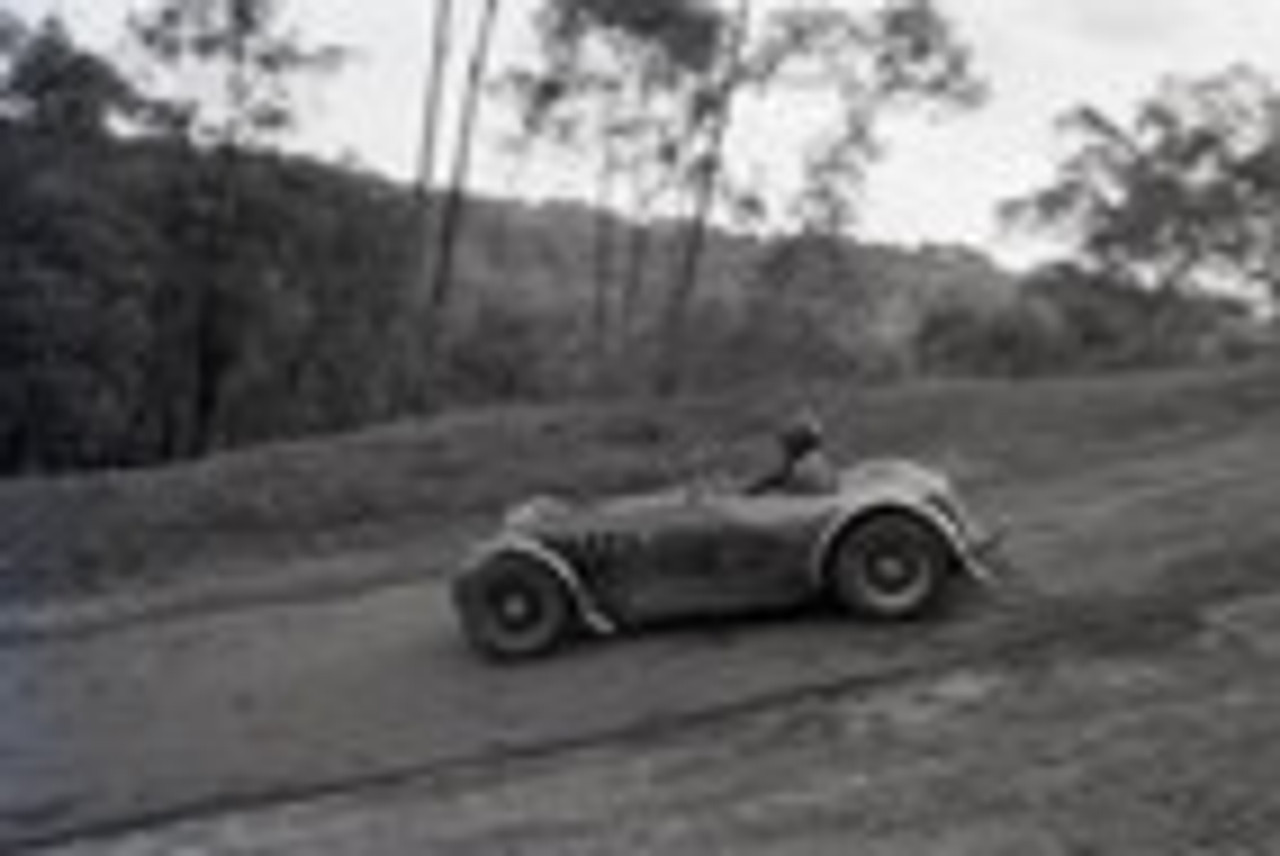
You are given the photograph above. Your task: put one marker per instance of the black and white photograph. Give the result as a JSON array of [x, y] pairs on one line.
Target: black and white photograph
[[640, 427]]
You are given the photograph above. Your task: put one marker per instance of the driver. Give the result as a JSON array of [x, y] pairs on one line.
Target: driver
[[803, 467]]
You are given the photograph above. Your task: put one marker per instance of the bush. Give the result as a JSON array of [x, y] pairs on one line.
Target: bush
[[1025, 338]]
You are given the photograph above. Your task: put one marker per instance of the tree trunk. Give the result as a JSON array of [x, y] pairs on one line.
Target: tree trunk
[[634, 284], [432, 106], [635, 252], [214, 343], [602, 251], [411, 351], [443, 285], [671, 367]]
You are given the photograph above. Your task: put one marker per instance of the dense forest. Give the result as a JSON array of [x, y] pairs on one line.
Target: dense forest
[[166, 291]]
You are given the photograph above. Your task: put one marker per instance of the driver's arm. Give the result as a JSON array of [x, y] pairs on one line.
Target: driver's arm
[[773, 481]]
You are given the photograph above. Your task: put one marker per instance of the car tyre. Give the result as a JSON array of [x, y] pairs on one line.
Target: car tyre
[[891, 567], [514, 608]]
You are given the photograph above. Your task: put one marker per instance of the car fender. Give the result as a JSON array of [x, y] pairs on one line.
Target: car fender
[[585, 603], [907, 499]]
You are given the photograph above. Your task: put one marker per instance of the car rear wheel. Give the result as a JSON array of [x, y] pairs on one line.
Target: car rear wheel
[[891, 567], [514, 607]]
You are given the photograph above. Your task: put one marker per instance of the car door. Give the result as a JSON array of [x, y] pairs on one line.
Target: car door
[[763, 551], [715, 555]]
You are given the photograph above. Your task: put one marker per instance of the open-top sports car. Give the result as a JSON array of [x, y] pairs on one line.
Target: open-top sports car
[[891, 542]]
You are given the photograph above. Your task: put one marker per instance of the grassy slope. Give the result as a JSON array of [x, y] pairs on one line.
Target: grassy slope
[[431, 485]]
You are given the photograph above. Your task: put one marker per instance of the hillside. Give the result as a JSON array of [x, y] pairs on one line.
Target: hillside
[[158, 303]]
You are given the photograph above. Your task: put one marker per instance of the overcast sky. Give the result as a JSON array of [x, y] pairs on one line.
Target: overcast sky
[[940, 182]]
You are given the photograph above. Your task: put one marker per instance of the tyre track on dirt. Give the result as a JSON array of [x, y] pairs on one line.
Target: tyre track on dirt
[[1000, 635]]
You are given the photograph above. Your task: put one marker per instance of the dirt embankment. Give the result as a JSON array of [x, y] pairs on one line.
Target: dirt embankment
[[287, 515]]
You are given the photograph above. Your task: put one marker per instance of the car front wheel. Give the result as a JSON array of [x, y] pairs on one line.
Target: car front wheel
[[514, 607], [891, 567]]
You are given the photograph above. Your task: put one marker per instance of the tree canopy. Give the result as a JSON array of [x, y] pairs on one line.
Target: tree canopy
[[1184, 195], [248, 46], [653, 93], [59, 87]]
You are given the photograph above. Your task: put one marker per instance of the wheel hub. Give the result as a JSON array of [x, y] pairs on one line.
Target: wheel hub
[[893, 572], [516, 608]]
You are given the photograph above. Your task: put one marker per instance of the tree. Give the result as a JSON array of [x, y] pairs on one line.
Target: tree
[[903, 55], [452, 217], [1107, 322], [410, 350], [715, 101], [1184, 194], [433, 100], [62, 89], [432, 109], [616, 81], [13, 32], [247, 47]]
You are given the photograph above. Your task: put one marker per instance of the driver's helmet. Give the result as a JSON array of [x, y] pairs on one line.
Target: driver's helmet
[[801, 436]]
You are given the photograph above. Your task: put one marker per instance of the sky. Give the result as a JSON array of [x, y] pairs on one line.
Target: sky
[[940, 181]]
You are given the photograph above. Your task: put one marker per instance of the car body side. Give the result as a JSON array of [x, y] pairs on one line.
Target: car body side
[[688, 553]]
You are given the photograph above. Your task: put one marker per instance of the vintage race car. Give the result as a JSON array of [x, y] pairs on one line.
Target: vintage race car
[[893, 542]]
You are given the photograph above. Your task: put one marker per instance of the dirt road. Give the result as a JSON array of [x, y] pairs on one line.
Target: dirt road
[[156, 722], [1138, 749], [162, 719]]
